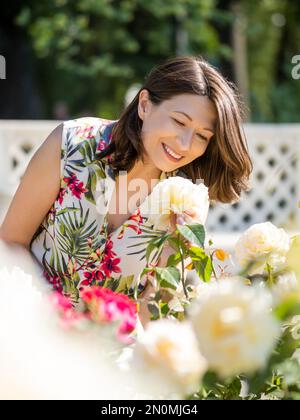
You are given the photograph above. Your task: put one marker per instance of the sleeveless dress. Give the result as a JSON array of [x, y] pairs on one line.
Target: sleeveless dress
[[72, 244]]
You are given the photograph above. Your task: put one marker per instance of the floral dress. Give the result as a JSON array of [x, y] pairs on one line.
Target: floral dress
[[72, 244]]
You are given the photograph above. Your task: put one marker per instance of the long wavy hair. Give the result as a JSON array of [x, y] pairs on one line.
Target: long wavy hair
[[225, 166]]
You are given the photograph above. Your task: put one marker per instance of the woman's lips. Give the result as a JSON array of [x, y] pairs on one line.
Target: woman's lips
[[172, 158]]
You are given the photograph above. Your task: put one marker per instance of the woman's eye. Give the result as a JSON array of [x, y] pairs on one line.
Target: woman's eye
[[178, 122], [202, 137], [199, 135]]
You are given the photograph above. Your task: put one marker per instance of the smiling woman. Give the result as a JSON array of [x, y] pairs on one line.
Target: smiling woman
[[185, 121], [187, 116]]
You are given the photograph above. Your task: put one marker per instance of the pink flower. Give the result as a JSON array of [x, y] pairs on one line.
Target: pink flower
[[78, 189], [75, 185], [110, 265], [137, 229], [60, 302], [68, 315], [90, 276], [55, 281], [69, 180], [137, 217], [106, 306], [101, 145], [108, 250], [85, 132], [61, 194]]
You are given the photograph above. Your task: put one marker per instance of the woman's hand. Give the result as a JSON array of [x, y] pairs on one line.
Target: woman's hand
[[187, 217]]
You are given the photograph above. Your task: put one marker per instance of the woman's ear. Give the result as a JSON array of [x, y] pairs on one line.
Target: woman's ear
[[143, 103]]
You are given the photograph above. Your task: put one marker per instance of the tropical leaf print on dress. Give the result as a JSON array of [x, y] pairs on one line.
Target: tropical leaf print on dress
[[72, 243]]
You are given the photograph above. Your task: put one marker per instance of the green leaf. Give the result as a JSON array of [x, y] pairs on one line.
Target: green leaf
[[194, 233], [124, 283], [66, 210], [168, 276], [164, 308], [287, 309], [202, 263]]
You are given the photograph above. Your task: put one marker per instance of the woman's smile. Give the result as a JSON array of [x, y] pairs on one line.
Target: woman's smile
[[171, 154]]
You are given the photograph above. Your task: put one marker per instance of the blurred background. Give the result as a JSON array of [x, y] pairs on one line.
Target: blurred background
[[64, 59]]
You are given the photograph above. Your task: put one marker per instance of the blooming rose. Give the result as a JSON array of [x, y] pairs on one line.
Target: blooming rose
[[262, 243], [168, 353], [175, 195], [287, 286], [293, 255], [234, 326]]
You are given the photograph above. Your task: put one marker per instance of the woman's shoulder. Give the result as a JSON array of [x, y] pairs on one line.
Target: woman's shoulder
[[90, 133], [87, 121], [83, 140], [85, 128]]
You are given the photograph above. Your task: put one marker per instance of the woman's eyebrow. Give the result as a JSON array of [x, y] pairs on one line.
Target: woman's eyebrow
[[182, 112]]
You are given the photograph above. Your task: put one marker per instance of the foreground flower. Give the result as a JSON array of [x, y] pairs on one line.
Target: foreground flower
[[168, 354], [175, 195], [38, 359], [286, 287], [292, 260], [69, 317], [262, 244], [234, 326], [105, 306]]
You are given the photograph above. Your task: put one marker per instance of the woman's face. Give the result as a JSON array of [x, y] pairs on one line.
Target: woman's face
[[166, 131]]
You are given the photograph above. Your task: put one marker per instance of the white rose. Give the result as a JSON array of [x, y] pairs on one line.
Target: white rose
[[176, 195], [287, 286], [234, 326], [168, 354], [263, 243]]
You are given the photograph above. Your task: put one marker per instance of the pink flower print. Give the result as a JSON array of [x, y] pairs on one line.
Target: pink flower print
[[75, 186], [61, 194], [110, 265], [90, 276], [55, 281], [137, 229], [108, 250], [137, 217], [85, 132], [78, 189], [101, 145]]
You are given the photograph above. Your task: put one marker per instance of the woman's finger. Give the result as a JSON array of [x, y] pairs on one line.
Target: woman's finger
[[180, 219], [191, 213]]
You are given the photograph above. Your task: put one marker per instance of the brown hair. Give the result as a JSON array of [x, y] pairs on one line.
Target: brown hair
[[225, 166]]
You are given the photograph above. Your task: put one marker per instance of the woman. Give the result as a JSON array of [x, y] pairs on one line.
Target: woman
[[77, 213]]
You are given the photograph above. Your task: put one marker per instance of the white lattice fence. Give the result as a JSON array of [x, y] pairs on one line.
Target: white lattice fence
[[275, 192], [275, 150], [18, 142]]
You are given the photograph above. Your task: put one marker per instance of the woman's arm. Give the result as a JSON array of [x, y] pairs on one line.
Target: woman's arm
[[36, 193]]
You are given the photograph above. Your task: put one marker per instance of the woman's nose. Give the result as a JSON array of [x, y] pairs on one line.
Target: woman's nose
[[185, 142]]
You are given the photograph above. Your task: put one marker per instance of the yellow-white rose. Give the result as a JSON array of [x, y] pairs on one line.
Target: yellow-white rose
[[262, 243], [287, 286], [234, 326], [175, 195], [168, 354]]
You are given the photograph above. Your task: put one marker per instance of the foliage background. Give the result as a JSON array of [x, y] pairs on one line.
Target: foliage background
[[68, 58]]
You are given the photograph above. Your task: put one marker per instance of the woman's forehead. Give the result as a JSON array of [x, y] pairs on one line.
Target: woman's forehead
[[197, 108]]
